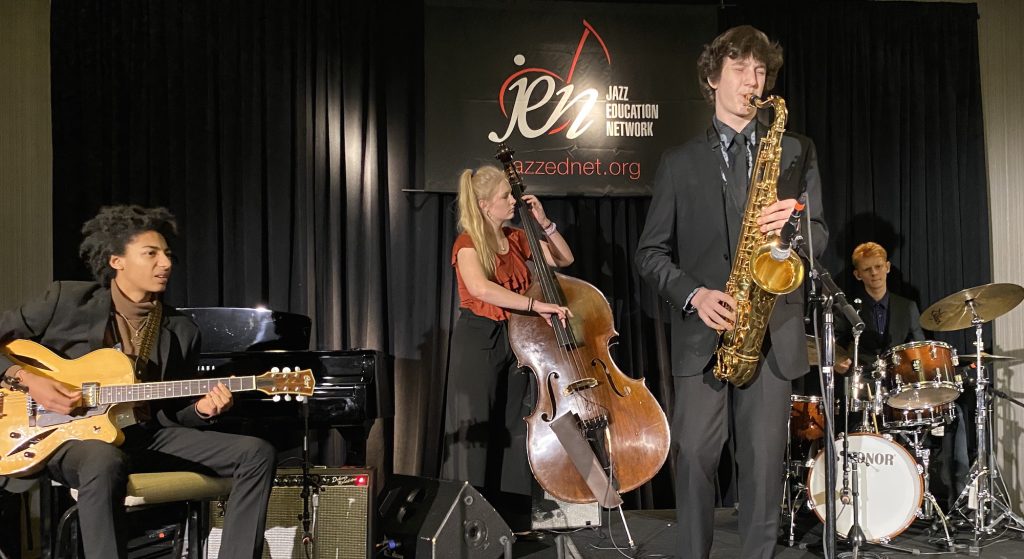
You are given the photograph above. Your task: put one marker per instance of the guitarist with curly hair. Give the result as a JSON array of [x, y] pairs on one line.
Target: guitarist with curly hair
[[126, 247]]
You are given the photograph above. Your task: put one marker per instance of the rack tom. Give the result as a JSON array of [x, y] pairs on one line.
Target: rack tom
[[921, 375]]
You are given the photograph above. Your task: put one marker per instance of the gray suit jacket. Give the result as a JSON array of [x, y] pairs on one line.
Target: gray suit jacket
[[690, 236]]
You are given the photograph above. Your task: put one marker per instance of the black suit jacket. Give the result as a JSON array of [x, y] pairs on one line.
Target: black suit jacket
[[903, 325], [71, 319], [690, 236]]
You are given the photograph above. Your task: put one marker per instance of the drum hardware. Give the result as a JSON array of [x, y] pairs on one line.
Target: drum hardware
[[985, 492], [930, 508]]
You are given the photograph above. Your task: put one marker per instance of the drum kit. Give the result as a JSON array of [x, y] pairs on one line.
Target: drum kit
[[909, 393]]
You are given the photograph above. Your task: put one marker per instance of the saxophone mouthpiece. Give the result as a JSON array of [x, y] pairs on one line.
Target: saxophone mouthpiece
[[754, 101]]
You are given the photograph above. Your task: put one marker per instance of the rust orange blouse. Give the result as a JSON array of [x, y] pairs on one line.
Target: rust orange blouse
[[510, 272]]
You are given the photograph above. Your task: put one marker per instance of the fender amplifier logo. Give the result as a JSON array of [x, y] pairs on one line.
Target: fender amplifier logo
[[527, 94]]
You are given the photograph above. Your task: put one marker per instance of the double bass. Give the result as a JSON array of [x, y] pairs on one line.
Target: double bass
[[615, 414]]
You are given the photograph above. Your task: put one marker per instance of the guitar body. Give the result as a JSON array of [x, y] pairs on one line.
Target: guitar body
[[28, 439]]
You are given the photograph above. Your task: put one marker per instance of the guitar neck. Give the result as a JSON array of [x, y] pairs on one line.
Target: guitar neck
[[122, 393]]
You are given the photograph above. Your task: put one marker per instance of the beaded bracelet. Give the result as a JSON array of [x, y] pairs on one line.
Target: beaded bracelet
[[550, 229]]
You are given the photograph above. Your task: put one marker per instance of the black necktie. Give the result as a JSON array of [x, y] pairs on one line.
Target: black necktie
[[738, 167]]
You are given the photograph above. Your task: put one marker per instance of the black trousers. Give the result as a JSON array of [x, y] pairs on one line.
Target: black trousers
[[700, 429], [487, 398], [100, 472]]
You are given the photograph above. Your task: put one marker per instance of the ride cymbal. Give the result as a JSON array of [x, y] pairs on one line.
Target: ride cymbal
[[989, 301]]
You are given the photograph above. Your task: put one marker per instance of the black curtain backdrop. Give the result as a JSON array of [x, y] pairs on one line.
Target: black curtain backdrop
[[283, 134]]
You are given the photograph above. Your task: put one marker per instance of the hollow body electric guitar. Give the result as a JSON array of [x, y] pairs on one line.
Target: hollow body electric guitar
[[29, 433]]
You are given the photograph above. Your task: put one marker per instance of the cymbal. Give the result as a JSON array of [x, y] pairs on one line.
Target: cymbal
[[985, 356], [990, 301], [812, 352]]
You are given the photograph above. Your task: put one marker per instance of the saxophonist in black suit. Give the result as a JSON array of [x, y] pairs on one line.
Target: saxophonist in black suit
[[686, 252]]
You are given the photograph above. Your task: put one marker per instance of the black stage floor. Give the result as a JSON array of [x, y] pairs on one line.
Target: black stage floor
[[654, 534]]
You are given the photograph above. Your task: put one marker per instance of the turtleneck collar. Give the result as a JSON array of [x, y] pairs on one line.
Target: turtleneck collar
[[130, 309]]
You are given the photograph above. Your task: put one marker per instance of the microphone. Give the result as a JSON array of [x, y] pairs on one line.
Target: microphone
[[781, 249]]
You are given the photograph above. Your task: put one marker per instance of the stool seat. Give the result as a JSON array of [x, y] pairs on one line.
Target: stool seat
[[167, 487], [154, 489]]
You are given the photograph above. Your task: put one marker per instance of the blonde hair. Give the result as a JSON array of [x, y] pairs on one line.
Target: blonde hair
[[473, 187], [868, 250]]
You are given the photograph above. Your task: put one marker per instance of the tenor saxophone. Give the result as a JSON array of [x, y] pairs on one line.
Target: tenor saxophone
[[757, 278]]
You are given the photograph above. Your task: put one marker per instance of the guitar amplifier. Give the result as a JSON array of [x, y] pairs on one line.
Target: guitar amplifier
[[341, 509]]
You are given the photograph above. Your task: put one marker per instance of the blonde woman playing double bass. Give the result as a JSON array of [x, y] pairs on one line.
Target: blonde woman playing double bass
[[487, 396], [686, 253]]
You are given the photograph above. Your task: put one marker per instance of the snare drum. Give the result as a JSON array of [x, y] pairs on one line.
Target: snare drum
[[890, 488], [806, 418], [894, 419], [921, 374]]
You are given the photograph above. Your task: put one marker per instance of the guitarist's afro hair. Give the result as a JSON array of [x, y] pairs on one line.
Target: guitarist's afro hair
[[113, 228]]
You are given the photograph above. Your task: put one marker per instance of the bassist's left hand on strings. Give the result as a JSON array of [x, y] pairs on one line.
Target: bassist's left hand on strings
[[537, 209]]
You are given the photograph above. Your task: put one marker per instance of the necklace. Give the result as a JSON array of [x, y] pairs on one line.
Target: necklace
[[136, 331]]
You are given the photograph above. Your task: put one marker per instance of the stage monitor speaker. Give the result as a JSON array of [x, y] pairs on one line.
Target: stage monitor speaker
[[434, 519], [548, 513], [341, 512]]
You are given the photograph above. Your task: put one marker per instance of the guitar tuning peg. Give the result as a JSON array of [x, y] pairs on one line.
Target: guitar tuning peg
[[287, 370], [287, 398], [300, 398], [275, 370], [276, 398]]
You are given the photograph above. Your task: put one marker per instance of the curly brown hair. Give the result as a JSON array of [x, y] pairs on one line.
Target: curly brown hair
[[737, 43], [113, 228]]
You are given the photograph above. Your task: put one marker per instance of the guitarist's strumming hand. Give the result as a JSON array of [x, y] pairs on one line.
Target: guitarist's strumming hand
[[216, 402], [48, 393]]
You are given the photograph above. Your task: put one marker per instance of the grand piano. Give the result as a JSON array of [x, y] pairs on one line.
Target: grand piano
[[353, 386]]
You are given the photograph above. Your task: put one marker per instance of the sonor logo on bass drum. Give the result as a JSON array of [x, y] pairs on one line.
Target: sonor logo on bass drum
[[870, 458]]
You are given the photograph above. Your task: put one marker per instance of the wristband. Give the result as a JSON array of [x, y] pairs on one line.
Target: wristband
[[550, 229]]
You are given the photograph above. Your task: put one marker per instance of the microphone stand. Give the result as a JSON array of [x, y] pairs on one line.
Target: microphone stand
[[308, 493], [830, 295]]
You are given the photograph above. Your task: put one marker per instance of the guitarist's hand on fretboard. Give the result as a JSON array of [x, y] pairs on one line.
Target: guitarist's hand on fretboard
[[216, 402], [48, 393]]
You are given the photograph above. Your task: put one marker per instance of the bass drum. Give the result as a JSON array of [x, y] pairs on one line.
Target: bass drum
[[889, 484]]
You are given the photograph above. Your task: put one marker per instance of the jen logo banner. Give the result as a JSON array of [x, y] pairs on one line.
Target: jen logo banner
[[588, 95]]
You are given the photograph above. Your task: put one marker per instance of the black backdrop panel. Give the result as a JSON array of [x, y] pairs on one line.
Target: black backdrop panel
[[589, 95]]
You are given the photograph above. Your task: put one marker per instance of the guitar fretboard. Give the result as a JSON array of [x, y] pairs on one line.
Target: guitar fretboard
[[117, 394]]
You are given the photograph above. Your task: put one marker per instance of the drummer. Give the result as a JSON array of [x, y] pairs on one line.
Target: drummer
[[889, 319]]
